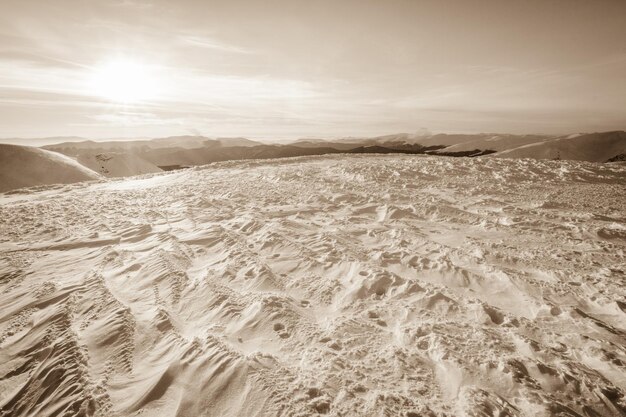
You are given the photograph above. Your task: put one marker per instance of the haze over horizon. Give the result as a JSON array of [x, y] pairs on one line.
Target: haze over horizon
[[133, 68]]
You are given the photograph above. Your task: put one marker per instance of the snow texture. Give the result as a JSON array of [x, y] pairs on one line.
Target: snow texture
[[337, 285]]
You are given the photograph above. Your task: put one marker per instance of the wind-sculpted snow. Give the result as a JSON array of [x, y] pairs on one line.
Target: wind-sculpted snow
[[340, 285]]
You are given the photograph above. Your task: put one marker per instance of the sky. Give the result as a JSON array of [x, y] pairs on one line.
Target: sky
[[328, 68]]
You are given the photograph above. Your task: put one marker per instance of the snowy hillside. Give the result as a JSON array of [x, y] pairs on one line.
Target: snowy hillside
[[339, 285], [497, 142], [594, 147], [26, 166], [591, 147], [113, 164]]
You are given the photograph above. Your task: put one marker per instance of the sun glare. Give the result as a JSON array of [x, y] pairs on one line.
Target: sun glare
[[125, 82]]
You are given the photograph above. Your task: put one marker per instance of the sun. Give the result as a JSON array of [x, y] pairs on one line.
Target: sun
[[124, 81]]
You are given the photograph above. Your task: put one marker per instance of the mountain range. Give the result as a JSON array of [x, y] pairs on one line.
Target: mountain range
[[88, 159]]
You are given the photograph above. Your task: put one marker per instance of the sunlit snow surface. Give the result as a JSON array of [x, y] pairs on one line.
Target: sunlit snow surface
[[339, 285]]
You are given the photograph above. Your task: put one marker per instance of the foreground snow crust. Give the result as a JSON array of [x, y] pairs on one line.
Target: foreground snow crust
[[338, 285]]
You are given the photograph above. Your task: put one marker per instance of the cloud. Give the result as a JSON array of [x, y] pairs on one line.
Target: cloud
[[22, 97], [38, 60], [133, 4], [126, 118], [209, 43]]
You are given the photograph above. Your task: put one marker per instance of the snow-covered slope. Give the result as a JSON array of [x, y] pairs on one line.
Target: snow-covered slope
[[462, 139], [594, 147], [497, 142], [237, 142], [26, 166], [115, 164], [341, 285]]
